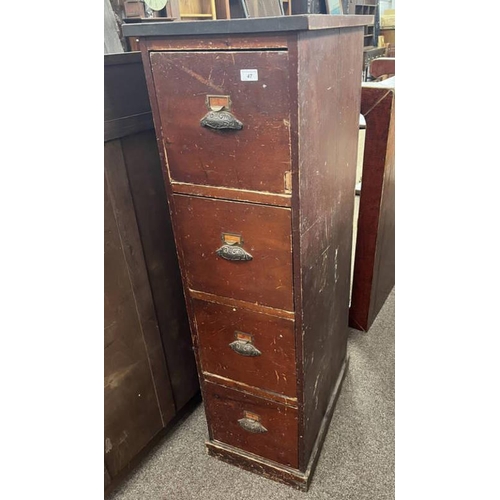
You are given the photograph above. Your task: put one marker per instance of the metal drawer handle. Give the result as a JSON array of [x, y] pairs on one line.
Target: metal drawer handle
[[251, 425], [244, 348], [221, 120], [232, 252]]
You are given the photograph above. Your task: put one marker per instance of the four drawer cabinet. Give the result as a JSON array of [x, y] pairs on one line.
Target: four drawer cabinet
[[257, 122]]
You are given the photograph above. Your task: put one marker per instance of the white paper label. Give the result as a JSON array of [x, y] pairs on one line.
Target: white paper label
[[249, 75]]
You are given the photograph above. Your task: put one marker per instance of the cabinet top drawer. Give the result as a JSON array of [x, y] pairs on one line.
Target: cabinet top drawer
[[225, 117]]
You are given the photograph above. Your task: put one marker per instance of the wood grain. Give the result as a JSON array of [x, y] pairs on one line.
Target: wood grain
[[155, 227], [273, 370], [307, 282], [279, 200], [131, 410], [328, 129], [266, 279], [227, 406], [216, 42], [374, 264], [254, 158]]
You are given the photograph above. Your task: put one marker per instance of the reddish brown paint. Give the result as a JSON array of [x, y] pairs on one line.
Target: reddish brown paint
[[266, 279], [227, 406], [374, 273], [273, 370], [255, 158], [322, 142]]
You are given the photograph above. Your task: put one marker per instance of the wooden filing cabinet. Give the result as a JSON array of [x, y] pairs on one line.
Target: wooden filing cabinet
[[257, 123]]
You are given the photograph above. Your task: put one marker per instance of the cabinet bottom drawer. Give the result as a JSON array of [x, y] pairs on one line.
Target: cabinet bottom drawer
[[253, 424]]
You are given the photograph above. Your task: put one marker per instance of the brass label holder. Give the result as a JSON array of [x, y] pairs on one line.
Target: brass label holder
[[232, 239], [218, 102]]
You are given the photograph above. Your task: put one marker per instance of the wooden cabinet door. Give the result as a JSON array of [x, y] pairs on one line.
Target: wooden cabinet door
[[137, 394]]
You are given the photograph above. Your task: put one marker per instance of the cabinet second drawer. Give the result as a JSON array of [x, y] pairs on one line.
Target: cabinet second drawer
[[253, 424], [237, 250], [246, 346]]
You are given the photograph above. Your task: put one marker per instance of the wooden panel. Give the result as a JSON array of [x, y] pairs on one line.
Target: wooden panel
[[225, 407], [153, 219], [266, 279], [222, 8], [218, 326], [265, 25], [125, 92], [255, 158], [375, 249], [227, 301], [382, 66], [197, 9], [329, 112], [220, 42], [107, 477], [126, 102], [279, 200], [119, 189], [131, 411]]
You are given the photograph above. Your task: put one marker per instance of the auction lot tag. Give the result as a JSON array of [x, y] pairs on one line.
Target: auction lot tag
[[249, 75]]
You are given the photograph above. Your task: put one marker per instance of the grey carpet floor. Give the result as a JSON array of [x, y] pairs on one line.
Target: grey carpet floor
[[356, 463]]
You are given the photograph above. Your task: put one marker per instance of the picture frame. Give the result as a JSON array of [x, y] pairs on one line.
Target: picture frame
[[334, 7]]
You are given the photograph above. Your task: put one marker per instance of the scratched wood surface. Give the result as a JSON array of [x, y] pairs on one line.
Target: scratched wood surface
[[266, 279], [279, 443], [328, 129], [132, 414], [153, 220], [254, 158], [307, 281], [272, 370], [145, 317], [374, 269]]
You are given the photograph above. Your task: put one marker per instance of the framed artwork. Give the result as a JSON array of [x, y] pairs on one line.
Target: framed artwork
[[334, 7], [262, 8]]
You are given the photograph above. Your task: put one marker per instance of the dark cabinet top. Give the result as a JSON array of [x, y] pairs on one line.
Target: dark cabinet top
[[303, 22]]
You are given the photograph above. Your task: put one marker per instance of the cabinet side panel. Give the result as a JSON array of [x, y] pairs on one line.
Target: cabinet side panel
[[153, 218], [375, 237], [384, 274], [329, 107], [132, 415]]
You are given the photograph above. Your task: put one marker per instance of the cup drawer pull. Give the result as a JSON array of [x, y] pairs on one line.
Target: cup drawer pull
[[234, 253], [251, 425], [244, 348], [221, 120]]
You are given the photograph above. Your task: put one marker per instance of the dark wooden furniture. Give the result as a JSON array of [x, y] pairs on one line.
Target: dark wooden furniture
[[365, 8], [373, 277], [149, 367], [257, 124], [383, 66]]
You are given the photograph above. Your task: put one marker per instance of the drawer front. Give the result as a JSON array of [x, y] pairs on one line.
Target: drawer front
[[246, 346], [256, 425], [254, 157], [203, 226]]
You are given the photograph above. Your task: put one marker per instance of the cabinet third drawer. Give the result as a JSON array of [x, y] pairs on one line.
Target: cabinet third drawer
[[246, 346]]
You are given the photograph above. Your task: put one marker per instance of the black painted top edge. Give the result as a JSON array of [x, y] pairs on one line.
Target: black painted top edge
[[302, 22]]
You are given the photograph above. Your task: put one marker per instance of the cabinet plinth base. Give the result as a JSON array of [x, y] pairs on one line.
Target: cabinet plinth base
[[272, 470]]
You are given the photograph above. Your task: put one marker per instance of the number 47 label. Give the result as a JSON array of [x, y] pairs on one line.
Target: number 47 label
[[249, 75]]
